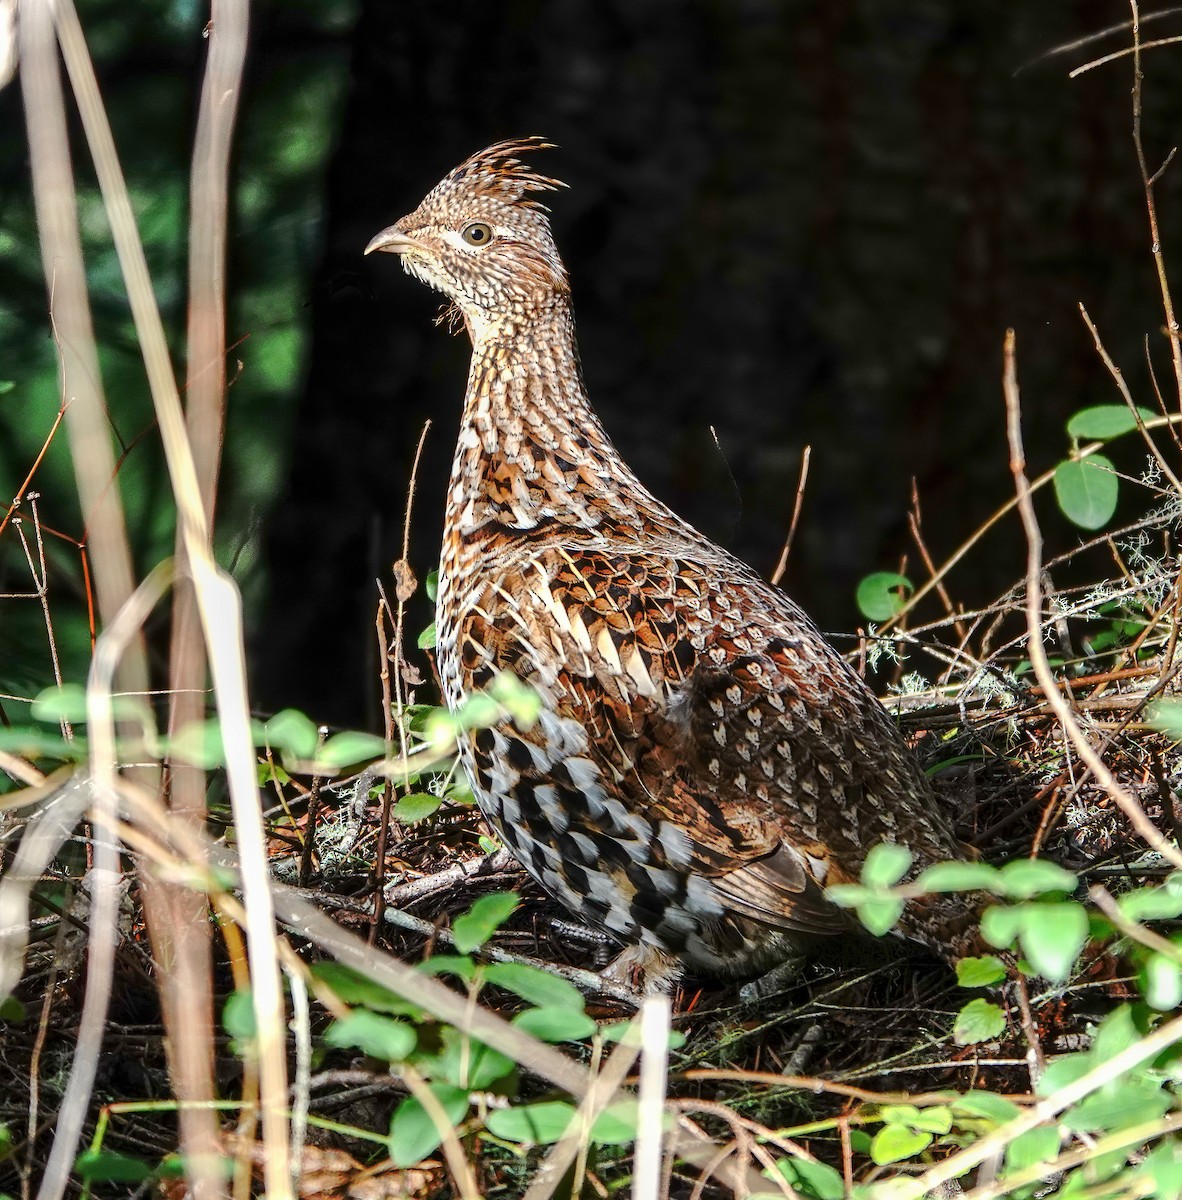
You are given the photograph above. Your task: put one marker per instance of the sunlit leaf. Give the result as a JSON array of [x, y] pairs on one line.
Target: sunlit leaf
[[413, 1133], [471, 930], [1087, 490], [979, 1021], [540, 1123], [1104, 421], [885, 865], [881, 595], [980, 972], [378, 1036]]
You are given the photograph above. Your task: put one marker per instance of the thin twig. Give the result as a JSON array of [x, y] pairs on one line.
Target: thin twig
[[782, 565]]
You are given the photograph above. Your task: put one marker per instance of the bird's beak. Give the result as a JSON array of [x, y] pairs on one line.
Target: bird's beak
[[393, 241]]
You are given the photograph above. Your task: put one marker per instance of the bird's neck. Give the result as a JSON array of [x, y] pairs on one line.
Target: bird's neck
[[531, 450]]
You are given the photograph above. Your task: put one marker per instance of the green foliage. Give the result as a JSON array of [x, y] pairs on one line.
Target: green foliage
[[881, 595], [979, 1021], [1087, 490], [414, 1133], [106, 1166], [482, 920]]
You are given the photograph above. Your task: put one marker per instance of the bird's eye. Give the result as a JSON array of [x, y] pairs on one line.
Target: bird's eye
[[477, 233]]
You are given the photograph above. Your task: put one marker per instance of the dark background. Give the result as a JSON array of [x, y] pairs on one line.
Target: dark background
[[799, 223]]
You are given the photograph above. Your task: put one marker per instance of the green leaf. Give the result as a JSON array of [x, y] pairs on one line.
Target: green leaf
[[538, 987], [1031, 1148], [413, 1134], [1114, 1035], [979, 1021], [6, 385], [1161, 983], [29, 742], [379, 1037], [347, 749], [1053, 936], [958, 877], [540, 1123], [1087, 490], [13, 1011], [518, 699], [1131, 1101], [616, 1125], [355, 988], [291, 731], [471, 1064], [885, 865], [431, 584], [105, 1166], [65, 703], [935, 1119], [556, 1024], [881, 595], [459, 965], [893, 1143], [620, 1030], [1027, 877], [238, 1016], [1063, 1070], [980, 972], [1166, 716], [1151, 904], [418, 806], [1162, 1167], [816, 1180], [198, 743], [426, 640], [471, 930], [880, 916], [994, 1108], [1105, 421]]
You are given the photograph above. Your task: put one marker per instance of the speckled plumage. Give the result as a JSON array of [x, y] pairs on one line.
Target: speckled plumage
[[705, 763]]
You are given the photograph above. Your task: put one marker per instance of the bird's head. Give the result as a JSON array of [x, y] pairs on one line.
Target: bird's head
[[480, 239]]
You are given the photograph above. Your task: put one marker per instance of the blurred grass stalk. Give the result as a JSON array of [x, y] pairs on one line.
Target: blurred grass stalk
[[208, 603]]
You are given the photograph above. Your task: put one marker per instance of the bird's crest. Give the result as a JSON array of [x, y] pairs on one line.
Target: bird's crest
[[497, 172]]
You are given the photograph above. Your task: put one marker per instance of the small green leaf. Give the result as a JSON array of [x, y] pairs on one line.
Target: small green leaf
[[416, 807], [12, 1010], [540, 1123], [885, 865], [935, 1119], [538, 987], [461, 966], [880, 916], [556, 1024], [980, 972], [199, 744], [616, 1125], [816, 1180], [32, 743], [471, 1064], [431, 584], [354, 988], [1105, 421], [1151, 904], [620, 1030], [413, 1134], [427, 639], [238, 1016], [1161, 983], [1087, 490], [347, 749], [1166, 716], [105, 1166], [1128, 1102], [65, 703], [893, 1143], [992, 1107], [1063, 1070], [291, 731], [1053, 936], [958, 877], [471, 930], [6, 385], [1028, 1149], [1162, 1167], [1027, 877], [979, 1021], [881, 595], [518, 699], [379, 1037]]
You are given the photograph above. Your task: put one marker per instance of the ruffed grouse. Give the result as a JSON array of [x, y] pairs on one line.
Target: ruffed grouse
[[705, 764]]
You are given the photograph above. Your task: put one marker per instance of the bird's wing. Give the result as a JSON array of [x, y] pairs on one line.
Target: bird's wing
[[718, 715]]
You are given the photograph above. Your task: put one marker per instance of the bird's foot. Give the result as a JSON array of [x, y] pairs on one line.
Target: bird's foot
[[647, 970]]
